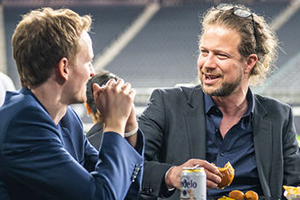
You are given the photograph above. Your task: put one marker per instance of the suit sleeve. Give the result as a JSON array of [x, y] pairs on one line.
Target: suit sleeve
[[153, 124], [291, 153], [34, 155]]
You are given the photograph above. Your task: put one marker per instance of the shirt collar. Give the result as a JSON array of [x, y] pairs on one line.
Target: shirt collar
[[251, 102], [209, 103]]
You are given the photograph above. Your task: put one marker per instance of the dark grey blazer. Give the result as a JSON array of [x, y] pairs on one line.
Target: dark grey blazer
[[175, 131], [94, 135]]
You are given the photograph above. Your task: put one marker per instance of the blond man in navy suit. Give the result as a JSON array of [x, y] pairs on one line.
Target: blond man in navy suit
[[44, 153]]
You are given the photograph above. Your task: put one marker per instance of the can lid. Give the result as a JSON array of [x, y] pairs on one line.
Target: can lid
[[193, 168]]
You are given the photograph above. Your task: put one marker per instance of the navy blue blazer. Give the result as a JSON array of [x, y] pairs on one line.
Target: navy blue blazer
[[42, 160]]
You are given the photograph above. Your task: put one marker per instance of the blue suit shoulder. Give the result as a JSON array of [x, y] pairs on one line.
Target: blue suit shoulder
[[22, 108]]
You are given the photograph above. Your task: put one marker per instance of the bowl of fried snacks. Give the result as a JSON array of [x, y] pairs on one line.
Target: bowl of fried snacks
[[239, 195], [291, 193]]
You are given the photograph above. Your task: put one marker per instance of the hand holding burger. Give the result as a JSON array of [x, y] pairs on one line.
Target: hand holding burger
[[226, 174]]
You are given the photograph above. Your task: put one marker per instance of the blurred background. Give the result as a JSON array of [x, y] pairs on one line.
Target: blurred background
[[154, 43]]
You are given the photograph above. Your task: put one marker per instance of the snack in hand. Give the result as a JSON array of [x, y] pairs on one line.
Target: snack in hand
[[236, 194], [226, 174]]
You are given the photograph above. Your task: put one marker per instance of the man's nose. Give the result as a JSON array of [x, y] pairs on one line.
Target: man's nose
[[92, 71], [209, 61]]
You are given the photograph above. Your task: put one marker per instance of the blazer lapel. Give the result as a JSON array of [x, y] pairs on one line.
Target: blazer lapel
[[262, 145], [195, 120]]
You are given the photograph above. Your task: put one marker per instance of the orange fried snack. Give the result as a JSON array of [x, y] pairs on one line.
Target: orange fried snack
[[251, 195], [236, 194], [226, 174]]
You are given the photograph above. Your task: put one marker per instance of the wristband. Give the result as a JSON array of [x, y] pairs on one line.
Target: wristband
[[130, 133]]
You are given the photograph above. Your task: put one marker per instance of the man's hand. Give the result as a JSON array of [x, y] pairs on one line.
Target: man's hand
[[173, 178], [114, 102]]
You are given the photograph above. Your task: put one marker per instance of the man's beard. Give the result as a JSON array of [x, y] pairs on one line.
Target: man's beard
[[225, 90]]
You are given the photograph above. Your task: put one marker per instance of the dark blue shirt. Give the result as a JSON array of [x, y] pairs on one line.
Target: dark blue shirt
[[237, 147]]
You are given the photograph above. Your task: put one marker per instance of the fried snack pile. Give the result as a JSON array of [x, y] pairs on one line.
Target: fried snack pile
[[292, 193], [226, 174], [239, 195]]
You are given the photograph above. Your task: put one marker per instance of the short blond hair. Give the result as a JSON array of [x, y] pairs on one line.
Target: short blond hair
[[264, 45], [42, 38]]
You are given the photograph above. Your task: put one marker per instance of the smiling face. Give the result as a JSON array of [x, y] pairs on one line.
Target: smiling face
[[220, 65], [81, 69]]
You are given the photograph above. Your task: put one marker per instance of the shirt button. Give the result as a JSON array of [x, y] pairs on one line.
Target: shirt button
[[216, 130]]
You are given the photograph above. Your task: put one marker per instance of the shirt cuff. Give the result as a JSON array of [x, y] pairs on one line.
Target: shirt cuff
[[166, 192], [166, 174]]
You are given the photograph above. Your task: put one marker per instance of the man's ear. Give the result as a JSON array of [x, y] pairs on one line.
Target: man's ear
[[250, 63], [63, 69]]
